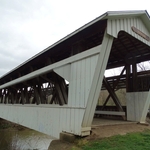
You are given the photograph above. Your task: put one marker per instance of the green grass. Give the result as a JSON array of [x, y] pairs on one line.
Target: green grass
[[131, 141]]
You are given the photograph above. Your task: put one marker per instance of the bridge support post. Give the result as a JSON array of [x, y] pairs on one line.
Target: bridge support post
[[97, 80], [137, 106]]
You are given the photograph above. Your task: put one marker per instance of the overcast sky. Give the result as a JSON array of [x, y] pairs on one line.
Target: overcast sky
[[29, 26]]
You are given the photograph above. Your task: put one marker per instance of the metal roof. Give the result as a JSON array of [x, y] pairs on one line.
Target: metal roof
[[77, 33]]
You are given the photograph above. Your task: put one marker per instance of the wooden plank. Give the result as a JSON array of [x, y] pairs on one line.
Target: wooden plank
[[106, 101], [1, 96], [23, 99], [41, 96], [97, 80], [140, 33], [12, 96], [6, 97], [64, 89], [110, 113], [114, 86], [113, 95], [134, 70], [128, 71], [36, 95], [17, 96], [61, 89], [53, 99]]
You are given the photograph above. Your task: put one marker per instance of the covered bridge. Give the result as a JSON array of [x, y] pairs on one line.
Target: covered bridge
[[57, 90]]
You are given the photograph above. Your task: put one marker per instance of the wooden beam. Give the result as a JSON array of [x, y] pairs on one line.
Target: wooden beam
[[114, 86], [6, 97], [128, 71], [106, 101], [110, 113], [53, 99], [23, 99], [1, 96], [61, 89], [113, 95], [134, 77], [36, 95]]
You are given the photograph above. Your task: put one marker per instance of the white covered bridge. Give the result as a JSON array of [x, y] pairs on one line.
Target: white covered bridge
[[36, 94]]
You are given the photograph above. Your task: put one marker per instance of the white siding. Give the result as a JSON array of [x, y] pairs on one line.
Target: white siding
[[53, 119], [114, 26], [82, 73], [50, 120], [94, 89], [64, 71], [137, 105]]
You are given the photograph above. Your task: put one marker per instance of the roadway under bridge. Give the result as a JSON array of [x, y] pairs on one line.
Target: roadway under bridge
[[57, 90]]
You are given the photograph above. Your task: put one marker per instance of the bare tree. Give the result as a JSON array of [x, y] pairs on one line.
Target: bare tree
[[143, 66]]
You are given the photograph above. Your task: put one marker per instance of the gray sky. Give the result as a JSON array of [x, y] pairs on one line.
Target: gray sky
[[29, 26]]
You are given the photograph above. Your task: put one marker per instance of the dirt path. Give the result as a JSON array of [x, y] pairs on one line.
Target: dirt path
[[111, 130], [102, 132]]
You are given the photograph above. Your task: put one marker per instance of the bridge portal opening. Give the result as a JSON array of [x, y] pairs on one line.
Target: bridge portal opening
[[115, 101]]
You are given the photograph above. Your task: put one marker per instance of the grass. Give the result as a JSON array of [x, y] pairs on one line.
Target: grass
[[131, 141]]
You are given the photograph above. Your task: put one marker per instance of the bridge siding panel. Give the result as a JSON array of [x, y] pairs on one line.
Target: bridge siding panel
[[97, 80], [64, 71], [50, 121], [137, 106], [82, 98], [80, 82], [125, 24], [82, 72]]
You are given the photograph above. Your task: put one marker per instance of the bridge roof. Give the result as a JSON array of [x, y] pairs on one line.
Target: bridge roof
[[86, 37]]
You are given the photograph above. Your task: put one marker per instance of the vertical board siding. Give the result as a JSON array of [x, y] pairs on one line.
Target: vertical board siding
[[137, 106], [95, 87], [81, 78], [47, 120], [146, 107], [64, 71], [125, 24]]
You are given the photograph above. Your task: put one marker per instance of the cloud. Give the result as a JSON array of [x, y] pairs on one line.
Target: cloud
[[27, 27]]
